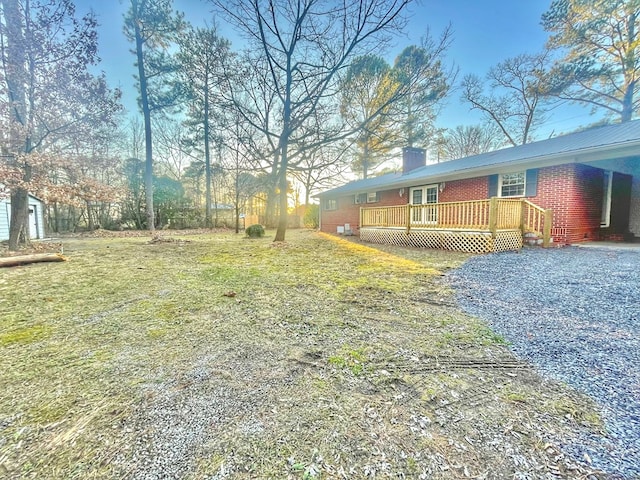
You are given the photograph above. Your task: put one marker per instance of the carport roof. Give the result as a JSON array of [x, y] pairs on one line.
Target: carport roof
[[611, 141]]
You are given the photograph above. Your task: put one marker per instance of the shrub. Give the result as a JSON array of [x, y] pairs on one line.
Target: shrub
[[255, 231], [312, 216]]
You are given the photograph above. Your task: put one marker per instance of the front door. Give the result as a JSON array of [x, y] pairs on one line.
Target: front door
[[424, 196]]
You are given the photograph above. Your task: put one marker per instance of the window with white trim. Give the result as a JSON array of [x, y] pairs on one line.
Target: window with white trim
[[512, 184], [331, 204], [369, 197]]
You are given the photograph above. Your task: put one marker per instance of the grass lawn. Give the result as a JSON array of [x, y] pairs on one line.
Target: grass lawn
[[215, 356]]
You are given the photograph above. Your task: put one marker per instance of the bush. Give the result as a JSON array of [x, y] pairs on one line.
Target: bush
[[312, 216], [255, 231]]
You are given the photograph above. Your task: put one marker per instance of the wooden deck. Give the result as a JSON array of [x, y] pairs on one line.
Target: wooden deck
[[478, 226]]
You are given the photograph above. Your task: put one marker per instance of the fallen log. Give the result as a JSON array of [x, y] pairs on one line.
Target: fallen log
[[33, 258]]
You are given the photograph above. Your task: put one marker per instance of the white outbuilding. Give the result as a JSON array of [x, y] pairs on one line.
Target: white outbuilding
[[36, 217]]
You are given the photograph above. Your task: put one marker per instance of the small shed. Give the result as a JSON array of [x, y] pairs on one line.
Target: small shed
[[36, 218]]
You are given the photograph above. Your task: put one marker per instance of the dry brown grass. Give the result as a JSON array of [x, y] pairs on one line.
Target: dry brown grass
[[215, 356]]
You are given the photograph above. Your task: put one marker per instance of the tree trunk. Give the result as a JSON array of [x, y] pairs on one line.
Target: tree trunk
[[90, 224], [16, 75], [307, 189], [19, 226], [207, 158], [56, 218], [282, 221], [284, 166], [629, 66], [215, 190], [146, 112], [284, 161], [237, 182], [27, 259]]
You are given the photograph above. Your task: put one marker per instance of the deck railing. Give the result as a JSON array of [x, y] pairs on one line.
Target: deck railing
[[537, 220], [479, 215]]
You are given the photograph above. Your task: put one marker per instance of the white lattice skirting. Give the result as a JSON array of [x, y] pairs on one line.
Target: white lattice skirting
[[457, 241]]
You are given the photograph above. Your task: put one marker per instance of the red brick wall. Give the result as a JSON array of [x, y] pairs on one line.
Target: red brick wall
[[463, 190], [572, 191], [349, 212]]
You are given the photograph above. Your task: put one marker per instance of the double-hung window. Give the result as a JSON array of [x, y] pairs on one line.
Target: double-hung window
[[331, 204], [369, 197], [512, 184]]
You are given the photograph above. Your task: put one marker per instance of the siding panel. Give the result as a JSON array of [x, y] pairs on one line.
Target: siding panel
[[4, 220]]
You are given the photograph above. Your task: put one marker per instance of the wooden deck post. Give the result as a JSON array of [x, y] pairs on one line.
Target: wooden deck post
[[546, 229], [361, 218], [493, 222], [523, 210], [493, 216], [408, 218]]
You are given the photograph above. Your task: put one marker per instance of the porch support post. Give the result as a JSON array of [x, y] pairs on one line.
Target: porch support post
[[408, 218], [546, 229], [493, 216], [361, 217]]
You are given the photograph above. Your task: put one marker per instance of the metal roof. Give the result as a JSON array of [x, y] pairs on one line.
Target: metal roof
[[611, 141]]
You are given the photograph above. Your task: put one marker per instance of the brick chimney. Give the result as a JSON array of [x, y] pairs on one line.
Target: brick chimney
[[413, 158]]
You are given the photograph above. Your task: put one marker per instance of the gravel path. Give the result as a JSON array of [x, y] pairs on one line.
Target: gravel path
[[575, 314]]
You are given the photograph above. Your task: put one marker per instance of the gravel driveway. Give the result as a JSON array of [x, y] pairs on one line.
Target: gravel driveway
[[574, 313]]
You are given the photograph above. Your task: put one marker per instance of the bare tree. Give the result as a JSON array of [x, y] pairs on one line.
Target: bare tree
[[305, 45], [321, 167], [515, 99], [255, 105], [172, 153], [464, 141]]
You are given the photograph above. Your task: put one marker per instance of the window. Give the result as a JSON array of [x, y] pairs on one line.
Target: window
[[331, 204], [512, 184], [369, 197]]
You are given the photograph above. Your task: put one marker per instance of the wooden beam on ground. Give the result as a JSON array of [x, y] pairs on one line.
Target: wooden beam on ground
[[34, 258]]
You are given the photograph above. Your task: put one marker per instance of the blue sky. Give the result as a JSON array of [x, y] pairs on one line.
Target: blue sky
[[485, 33]]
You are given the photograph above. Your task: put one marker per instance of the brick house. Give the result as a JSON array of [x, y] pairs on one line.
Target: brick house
[[586, 185]]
